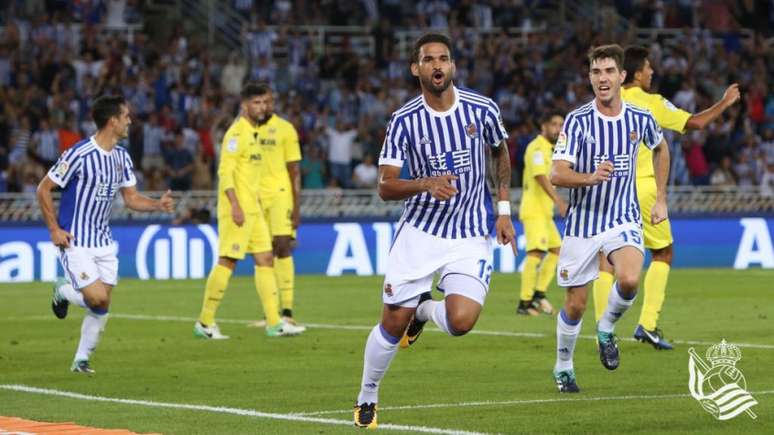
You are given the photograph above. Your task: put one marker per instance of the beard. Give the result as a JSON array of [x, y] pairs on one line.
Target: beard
[[428, 85]]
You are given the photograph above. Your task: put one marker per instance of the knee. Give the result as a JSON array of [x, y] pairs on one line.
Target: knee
[[98, 302], [664, 255], [575, 307], [264, 259], [282, 247], [460, 324], [628, 282]]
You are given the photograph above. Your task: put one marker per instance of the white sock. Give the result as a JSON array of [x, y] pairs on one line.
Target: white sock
[[425, 310], [438, 314], [567, 332], [616, 306], [72, 295], [380, 349], [91, 331]]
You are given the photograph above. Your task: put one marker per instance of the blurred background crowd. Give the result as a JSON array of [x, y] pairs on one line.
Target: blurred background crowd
[[57, 55]]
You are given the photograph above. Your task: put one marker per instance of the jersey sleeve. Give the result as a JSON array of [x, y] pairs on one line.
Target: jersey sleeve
[[65, 168], [395, 142], [292, 149], [229, 157], [652, 134], [494, 128], [668, 115], [129, 179], [568, 143], [537, 161]]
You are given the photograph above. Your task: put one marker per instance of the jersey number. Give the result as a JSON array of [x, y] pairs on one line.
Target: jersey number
[[485, 270], [635, 236]]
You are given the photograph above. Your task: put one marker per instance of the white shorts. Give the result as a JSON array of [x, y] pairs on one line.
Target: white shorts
[[578, 256], [84, 266], [464, 266]]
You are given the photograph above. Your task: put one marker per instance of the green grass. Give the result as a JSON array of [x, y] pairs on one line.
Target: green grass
[[160, 361]]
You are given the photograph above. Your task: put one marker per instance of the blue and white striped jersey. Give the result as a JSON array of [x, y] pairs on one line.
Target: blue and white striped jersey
[[589, 138], [90, 177], [452, 142]]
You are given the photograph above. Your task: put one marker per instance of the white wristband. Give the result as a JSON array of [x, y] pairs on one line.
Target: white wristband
[[503, 208]]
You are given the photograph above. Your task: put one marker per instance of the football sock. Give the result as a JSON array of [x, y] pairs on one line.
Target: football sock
[[283, 268], [266, 285], [547, 271], [380, 349], [91, 331], [567, 332], [655, 290], [213, 293], [438, 315], [425, 310], [601, 291], [529, 277], [616, 306], [72, 295]]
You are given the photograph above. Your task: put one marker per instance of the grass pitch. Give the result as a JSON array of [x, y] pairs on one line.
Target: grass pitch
[[497, 380]]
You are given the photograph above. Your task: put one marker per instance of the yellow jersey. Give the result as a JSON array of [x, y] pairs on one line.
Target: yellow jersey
[[535, 202], [279, 146], [239, 167], [667, 116]]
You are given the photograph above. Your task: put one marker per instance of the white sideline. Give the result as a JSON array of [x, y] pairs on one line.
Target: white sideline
[[433, 329], [226, 410], [523, 402]]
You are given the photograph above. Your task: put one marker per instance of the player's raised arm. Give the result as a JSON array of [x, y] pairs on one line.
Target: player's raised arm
[[702, 119], [139, 202]]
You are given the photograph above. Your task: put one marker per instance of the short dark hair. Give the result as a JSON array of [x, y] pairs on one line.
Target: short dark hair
[[611, 51], [252, 89], [634, 60], [548, 116], [428, 38], [106, 107]]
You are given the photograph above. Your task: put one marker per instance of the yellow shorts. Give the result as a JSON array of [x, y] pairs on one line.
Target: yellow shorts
[[234, 241], [656, 236], [278, 212], [541, 234]]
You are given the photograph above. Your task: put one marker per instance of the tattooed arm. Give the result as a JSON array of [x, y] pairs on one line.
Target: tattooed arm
[[501, 162]]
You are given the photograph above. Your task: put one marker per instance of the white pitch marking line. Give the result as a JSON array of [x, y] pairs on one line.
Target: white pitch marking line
[[227, 410], [368, 328], [521, 402]]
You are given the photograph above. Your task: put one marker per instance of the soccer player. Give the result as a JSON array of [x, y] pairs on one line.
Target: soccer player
[[241, 225], [443, 134], [90, 174], [537, 215], [657, 238], [280, 195], [595, 156]]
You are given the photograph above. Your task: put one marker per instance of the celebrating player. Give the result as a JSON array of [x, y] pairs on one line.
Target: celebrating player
[[658, 238], [537, 215], [241, 224], [90, 173], [595, 156], [447, 218]]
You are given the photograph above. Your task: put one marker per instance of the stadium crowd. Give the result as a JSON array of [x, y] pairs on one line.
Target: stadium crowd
[[56, 56]]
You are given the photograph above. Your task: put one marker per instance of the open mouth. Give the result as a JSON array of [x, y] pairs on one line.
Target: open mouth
[[604, 88], [437, 77]]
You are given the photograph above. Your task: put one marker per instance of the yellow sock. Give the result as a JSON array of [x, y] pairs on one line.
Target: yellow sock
[[601, 290], [655, 291], [529, 277], [213, 293], [547, 271], [283, 268], [266, 285]]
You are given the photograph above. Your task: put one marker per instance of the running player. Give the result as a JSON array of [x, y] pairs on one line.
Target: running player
[[90, 174]]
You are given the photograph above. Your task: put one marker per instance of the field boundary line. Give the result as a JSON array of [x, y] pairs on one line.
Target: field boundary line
[[433, 329], [226, 410]]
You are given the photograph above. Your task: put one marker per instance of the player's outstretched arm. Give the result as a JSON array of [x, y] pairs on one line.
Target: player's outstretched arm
[[392, 188], [139, 202], [701, 120], [59, 237], [501, 159], [661, 169], [563, 174]]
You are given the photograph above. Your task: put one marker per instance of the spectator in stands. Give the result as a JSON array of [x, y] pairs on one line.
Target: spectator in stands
[[341, 139], [767, 181], [366, 173], [698, 168], [233, 75], [152, 134], [180, 164], [312, 169], [68, 133], [44, 148], [724, 174]]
